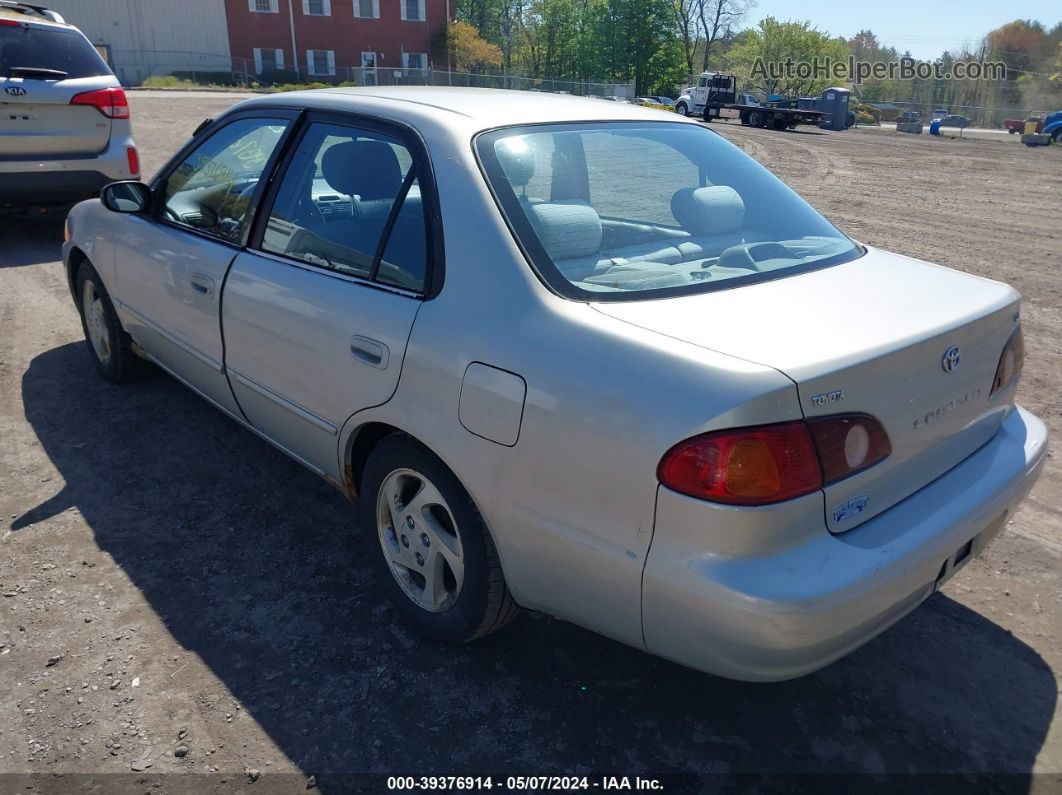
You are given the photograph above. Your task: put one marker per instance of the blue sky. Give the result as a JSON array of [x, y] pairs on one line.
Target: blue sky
[[925, 27]]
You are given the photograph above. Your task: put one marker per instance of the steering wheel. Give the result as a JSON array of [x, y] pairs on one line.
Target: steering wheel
[[749, 255]]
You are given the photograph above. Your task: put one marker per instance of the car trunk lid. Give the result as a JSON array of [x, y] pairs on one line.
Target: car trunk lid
[[42, 68], [37, 119], [912, 344]]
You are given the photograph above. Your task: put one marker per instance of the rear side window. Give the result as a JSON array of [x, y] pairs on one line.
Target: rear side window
[[350, 201], [64, 50]]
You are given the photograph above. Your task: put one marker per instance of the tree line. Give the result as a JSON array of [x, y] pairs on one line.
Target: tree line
[[660, 44]]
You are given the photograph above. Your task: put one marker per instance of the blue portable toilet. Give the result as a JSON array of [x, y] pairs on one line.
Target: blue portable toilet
[[834, 103], [934, 127]]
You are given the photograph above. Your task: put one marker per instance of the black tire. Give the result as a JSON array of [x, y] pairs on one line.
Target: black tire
[[779, 124], [483, 604], [744, 118], [682, 109], [1056, 137], [707, 116], [757, 118], [119, 364]]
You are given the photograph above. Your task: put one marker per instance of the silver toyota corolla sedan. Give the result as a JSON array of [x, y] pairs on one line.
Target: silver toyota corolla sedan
[[581, 357]]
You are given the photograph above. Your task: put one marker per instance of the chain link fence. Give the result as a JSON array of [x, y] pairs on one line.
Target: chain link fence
[[981, 115], [387, 76], [134, 67]]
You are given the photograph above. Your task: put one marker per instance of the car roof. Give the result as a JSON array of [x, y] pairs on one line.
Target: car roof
[[32, 14], [482, 108]]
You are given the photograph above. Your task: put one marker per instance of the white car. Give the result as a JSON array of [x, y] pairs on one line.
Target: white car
[[687, 412], [64, 118]]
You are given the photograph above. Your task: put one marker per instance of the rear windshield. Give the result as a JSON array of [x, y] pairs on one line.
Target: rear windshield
[[616, 211], [45, 47]]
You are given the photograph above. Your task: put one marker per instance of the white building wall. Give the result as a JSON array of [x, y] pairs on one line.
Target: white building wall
[[154, 37]]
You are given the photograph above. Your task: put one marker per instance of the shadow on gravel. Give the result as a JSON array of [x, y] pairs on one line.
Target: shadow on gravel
[[31, 239], [254, 565]]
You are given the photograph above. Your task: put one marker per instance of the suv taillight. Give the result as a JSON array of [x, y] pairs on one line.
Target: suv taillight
[[1010, 362], [111, 102], [772, 463]]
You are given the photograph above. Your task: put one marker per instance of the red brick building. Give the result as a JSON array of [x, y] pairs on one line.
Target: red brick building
[[323, 39]]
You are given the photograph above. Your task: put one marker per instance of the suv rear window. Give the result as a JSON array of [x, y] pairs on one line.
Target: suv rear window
[[620, 211], [46, 47]]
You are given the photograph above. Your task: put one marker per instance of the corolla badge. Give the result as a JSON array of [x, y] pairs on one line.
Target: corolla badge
[[15, 91], [851, 508], [951, 359]]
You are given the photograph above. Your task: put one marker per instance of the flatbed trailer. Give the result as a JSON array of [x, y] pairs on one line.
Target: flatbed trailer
[[776, 118], [716, 92]]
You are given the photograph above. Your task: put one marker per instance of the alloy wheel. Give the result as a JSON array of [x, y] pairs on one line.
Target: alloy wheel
[[96, 321], [419, 539]]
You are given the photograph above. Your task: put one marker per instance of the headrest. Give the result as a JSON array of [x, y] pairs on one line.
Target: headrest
[[715, 210], [566, 229], [517, 160], [368, 169]]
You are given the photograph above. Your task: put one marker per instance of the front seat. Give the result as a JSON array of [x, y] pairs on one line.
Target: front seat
[[368, 172]]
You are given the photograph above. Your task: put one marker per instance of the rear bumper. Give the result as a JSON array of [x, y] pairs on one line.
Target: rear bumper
[[773, 616], [50, 187], [59, 180]]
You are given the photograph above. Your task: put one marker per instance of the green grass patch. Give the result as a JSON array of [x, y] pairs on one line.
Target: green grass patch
[[304, 86]]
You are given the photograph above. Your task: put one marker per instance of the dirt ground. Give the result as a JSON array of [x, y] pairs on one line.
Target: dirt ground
[[168, 580]]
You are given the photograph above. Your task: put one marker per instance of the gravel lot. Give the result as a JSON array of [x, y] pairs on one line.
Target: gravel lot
[[170, 580]]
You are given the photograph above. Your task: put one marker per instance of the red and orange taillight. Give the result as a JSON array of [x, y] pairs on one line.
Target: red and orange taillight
[[771, 463], [111, 102]]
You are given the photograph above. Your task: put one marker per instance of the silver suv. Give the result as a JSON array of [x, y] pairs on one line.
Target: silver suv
[[64, 119]]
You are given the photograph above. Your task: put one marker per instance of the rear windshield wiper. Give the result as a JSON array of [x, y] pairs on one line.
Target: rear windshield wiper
[[36, 72]]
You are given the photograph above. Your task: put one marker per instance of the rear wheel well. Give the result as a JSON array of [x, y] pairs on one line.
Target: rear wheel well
[[367, 437]]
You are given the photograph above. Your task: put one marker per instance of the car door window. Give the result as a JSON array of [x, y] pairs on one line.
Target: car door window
[[350, 201], [212, 188]]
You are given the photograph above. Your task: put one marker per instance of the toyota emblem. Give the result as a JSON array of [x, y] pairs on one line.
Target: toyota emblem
[[951, 359]]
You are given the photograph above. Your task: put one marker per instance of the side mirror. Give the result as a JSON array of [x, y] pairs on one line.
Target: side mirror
[[129, 196]]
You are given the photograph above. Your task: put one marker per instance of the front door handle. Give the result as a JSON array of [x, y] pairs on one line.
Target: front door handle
[[203, 284], [370, 351]]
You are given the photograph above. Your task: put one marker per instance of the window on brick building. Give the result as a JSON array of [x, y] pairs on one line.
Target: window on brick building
[[317, 8], [321, 62], [263, 6], [268, 59], [412, 10], [367, 9]]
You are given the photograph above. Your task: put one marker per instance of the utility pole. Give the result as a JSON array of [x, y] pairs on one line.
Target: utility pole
[[294, 52]]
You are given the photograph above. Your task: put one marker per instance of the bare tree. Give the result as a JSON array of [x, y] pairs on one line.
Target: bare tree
[[717, 19], [688, 15]]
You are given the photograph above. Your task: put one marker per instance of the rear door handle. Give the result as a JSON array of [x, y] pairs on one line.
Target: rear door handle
[[203, 284], [370, 351]]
